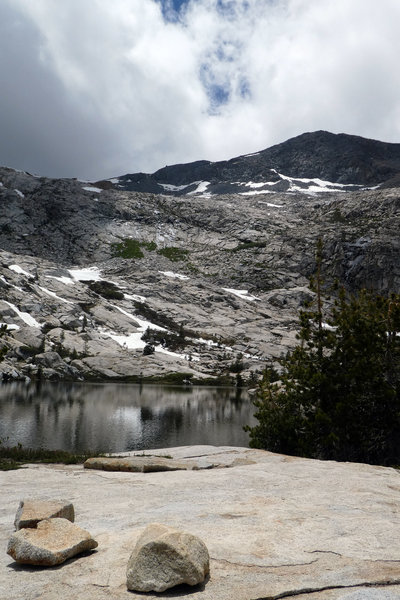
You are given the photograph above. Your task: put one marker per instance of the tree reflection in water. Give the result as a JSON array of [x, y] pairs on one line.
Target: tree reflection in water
[[120, 417]]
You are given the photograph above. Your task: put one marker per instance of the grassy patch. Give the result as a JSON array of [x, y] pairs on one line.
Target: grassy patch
[[174, 254], [150, 246], [130, 248], [248, 246], [13, 457]]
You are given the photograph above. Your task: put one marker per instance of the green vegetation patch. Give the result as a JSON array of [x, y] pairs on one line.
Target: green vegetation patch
[[173, 253], [15, 456], [336, 395], [128, 248]]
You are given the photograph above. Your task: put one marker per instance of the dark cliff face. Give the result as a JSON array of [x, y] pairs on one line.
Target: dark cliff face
[[337, 158]]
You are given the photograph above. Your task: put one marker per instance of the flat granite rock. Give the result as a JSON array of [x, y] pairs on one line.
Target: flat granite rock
[[278, 527], [33, 510], [141, 464], [51, 543]]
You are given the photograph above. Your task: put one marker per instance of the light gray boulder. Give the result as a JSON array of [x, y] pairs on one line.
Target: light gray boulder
[[165, 557], [51, 543], [31, 511]]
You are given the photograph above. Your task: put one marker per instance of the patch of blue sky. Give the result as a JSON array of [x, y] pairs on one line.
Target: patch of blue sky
[[218, 91], [171, 9]]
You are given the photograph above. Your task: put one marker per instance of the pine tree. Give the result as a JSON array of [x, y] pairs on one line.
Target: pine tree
[[337, 394]]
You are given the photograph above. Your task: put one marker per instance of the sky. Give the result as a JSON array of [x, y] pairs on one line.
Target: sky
[[99, 88]]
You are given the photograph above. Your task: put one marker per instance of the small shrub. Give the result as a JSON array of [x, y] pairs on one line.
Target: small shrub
[[106, 289], [148, 349]]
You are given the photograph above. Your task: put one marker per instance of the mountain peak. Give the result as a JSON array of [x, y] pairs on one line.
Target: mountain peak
[[311, 162]]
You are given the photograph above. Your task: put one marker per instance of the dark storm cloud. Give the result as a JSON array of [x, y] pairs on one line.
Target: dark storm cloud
[[98, 88], [41, 128]]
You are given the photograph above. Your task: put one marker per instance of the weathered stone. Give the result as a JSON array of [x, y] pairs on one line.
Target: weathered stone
[[138, 464], [165, 557], [31, 511], [51, 543]]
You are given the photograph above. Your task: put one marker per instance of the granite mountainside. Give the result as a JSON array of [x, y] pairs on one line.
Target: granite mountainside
[[211, 274]]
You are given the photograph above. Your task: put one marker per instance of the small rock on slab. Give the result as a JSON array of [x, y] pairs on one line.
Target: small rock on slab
[[51, 543], [138, 464], [30, 512], [165, 557]]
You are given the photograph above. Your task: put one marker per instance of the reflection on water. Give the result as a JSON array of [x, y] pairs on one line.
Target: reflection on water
[[120, 417]]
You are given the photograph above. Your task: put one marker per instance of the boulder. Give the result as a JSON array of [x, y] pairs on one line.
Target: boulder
[[165, 557], [51, 543], [31, 511]]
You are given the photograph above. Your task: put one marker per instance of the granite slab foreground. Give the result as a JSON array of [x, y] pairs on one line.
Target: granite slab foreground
[[275, 526]]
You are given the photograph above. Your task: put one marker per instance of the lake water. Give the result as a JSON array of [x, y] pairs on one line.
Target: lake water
[[120, 417]]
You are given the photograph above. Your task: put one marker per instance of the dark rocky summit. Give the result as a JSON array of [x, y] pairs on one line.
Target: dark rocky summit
[[211, 282], [336, 158]]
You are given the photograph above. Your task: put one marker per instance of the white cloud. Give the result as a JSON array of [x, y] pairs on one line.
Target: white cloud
[[95, 89]]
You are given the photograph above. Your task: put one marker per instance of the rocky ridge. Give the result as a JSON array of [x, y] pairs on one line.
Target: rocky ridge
[[316, 161], [212, 282]]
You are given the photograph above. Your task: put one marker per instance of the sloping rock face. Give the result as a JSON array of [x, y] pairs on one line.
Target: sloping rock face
[[165, 557], [275, 527], [51, 543], [212, 284], [30, 512]]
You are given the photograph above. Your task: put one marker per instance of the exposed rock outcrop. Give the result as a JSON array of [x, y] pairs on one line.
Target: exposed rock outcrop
[[95, 276]]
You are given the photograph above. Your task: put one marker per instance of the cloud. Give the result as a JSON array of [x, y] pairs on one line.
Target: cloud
[[100, 88]]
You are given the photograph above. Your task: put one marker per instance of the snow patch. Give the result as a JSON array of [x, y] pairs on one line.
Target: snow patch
[[201, 187], [90, 188], [174, 188], [244, 294], [174, 275], [62, 279], [50, 293], [20, 194], [141, 322], [135, 297], [20, 271], [315, 185], [86, 274], [133, 341], [10, 327], [24, 316], [270, 204], [4, 280]]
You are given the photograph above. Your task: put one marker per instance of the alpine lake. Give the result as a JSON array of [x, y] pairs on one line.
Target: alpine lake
[[109, 417]]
